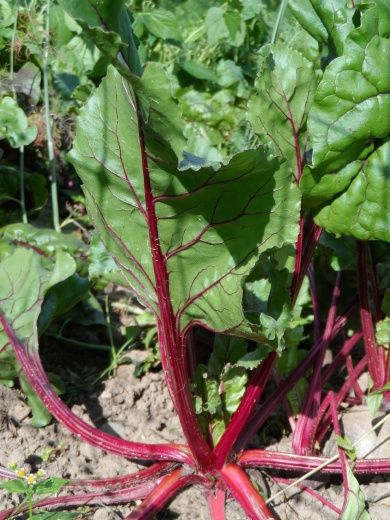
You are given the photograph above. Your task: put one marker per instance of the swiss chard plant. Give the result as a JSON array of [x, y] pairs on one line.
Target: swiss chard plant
[[231, 249]]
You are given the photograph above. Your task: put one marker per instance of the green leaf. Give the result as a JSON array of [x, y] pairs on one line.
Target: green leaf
[[253, 359], [285, 83], [50, 486], [199, 71], [234, 383], [14, 486], [40, 415], [363, 208], [223, 24], [346, 444], [343, 120], [205, 230], [26, 276], [14, 124], [61, 298], [104, 18], [7, 13], [161, 23], [212, 398], [355, 508], [383, 332], [374, 402], [328, 22]]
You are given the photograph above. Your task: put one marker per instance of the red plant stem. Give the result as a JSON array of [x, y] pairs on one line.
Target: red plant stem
[[298, 261], [315, 304], [278, 460], [356, 387], [339, 398], [171, 342], [167, 488], [239, 420], [309, 491], [36, 376], [375, 354], [216, 501], [341, 357], [118, 496], [278, 395], [239, 484], [301, 438], [310, 240], [153, 472]]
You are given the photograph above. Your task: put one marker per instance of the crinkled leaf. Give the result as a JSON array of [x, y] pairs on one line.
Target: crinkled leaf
[[205, 230], [234, 384], [383, 332], [212, 397], [328, 22], [344, 120], [252, 359], [14, 124], [100, 262], [355, 508], [285, 85], [363, 209]]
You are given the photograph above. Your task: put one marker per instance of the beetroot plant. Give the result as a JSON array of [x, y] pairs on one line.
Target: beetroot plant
[[231, 249]]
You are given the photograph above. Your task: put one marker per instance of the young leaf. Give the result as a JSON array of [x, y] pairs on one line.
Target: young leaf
[[355, 508], [286, 84]]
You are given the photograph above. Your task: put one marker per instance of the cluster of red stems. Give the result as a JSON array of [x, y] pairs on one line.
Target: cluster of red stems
[[221, 471]]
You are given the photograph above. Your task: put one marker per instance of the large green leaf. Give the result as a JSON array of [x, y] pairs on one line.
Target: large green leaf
[[285, 85], [211, 226], [347, 128], [363, 209], [345, 120]]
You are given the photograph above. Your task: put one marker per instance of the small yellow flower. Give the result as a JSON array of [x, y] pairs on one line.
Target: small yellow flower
[[13, 465], [40, 473], [31, 479], [20, 473]]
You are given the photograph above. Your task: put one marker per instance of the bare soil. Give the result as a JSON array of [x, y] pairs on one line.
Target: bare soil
[[140, 409]]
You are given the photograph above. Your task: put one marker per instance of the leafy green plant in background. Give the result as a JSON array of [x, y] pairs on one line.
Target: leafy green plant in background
[[220, 214]]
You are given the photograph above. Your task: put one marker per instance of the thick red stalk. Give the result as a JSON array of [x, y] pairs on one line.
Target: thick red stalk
[[239, 420], [340, 357], [216, 502], [301, 437], [240, 486], [304, 463], [278, 395], [171, 342], [36, 376], [375, 354], [163, 493]]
